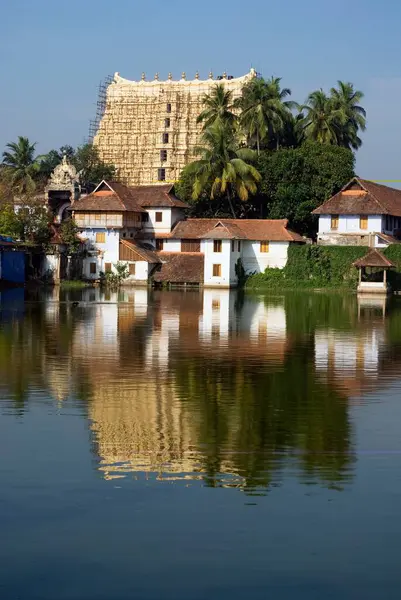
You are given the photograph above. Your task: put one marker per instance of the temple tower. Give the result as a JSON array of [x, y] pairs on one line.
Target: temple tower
[[149, 129]]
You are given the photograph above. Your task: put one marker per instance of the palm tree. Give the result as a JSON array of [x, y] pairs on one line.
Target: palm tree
[[224, 166], [264, 112], [21, 165], [322, 121], [218, 107], [347, 100]]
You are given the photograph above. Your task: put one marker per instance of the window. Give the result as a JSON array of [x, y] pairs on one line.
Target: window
[[239, 247], [165, 138], [161, 174], [132, 268], [131, 235], [92, 268], [363, 222], [107, 267], [216, 270], [232, 246], [264, 246], [124, 234], [100, 238], [145, 217], [159, 245], [167, 122], [163, 155], [168, 108], [217, 245], [158, 217], [334, 222]]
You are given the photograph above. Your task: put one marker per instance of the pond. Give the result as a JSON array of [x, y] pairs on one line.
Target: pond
[[191, 445]]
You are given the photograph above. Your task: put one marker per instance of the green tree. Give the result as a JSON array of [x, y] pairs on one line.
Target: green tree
[[21, 165], [90, 167], [321, 120], [218, 107], [34, 221], [295, 181], [69, 232], [265, 113], [224, 166], [9, 223], [347, 100]]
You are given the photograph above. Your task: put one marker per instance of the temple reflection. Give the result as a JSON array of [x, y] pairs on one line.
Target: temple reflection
[[215, 386]]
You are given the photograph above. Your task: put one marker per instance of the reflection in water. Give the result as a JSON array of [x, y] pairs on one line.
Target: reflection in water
[[215, 386]]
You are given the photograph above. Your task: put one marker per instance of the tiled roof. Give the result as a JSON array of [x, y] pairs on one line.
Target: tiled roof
[[156, 196], [139, 253], [180, 267], [390, 239], [374, 258], [376, 200], [274, 230], [108, 197]]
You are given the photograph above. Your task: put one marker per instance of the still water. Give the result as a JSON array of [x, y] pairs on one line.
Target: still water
[[194, 445]]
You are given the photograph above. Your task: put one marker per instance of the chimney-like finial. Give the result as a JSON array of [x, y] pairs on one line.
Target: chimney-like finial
[[224, 75], [197, 75], [183, 75], [210, 75], [157, 77], [170, 76], [143, 76]]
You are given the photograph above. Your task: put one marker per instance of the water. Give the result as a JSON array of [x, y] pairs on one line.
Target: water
[[199, 445]]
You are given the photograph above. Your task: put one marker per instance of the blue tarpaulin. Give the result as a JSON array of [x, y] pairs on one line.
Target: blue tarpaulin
[[12, 266], [6, 238]]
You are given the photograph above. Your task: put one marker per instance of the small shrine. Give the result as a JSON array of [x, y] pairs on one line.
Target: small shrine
[[61, 189], [373, 273]]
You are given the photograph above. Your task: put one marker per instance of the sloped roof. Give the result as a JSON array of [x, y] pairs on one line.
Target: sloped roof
[[180, 267], [274, 230], [156, 196], [375, 199], [139, 253], [374, 258], [109, 196]]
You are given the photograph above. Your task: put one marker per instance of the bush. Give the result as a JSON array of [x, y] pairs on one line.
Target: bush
[[313, 267]]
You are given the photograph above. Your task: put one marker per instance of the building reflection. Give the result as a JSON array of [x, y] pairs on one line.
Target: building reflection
[[216, 386]]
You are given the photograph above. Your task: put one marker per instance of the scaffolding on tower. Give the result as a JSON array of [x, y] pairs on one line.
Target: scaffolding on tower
[[100, 107]]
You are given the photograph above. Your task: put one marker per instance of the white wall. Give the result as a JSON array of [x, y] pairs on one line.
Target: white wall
[[50, 264], [108, 252], [350, 224], [254, 260], [141, 271], [222, 258], [164, 226]]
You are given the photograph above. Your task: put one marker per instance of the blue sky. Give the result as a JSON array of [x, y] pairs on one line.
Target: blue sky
[[53, 55]]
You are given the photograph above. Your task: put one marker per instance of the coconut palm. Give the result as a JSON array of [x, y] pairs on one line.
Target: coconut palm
[[321, 121], [20, 164], [264, 111], [347, 100], [218, 107], [224, 166]]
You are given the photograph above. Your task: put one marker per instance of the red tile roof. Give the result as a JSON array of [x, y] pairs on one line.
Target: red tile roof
[[180, 267], [374, 258], [108, 197], [274, 230], [156, 196], [377, 200]]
